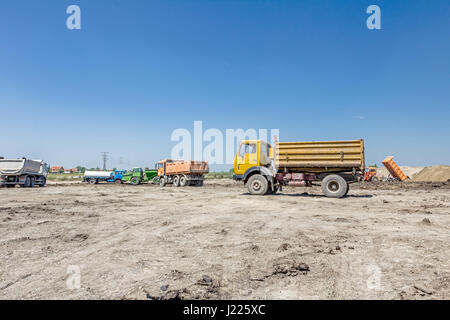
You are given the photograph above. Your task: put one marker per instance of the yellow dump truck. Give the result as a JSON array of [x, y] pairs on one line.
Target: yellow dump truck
[[331, 164]]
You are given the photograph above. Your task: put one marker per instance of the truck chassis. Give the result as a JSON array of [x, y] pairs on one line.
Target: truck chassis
[[261, 181], [25, 181], [182, 180]]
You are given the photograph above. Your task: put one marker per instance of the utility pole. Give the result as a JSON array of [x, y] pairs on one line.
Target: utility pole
[[105, 156]]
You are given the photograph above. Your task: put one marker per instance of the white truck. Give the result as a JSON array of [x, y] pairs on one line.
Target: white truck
[[23, 172]]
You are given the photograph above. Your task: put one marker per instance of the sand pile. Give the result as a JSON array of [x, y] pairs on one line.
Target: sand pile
[[434, 174]]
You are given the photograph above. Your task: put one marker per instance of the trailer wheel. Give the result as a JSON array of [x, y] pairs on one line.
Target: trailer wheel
[[334, 186], [257, 185], [184, 181], [176, 181]]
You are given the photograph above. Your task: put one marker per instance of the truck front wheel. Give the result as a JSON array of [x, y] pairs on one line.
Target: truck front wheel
[[257, 185], [162, 181], [334, 186]]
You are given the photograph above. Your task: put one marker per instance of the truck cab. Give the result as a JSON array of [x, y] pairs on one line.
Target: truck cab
[[251, 153]]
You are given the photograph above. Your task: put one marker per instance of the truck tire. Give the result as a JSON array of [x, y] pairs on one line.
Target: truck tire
[[334, 186], [134, 181], [162, 181], [155, 180], [348, 188], [32, 182], [184, 181], [199, 183], [257, 185], [27, 182], [92, 181], [43, 182], [118, 181], [176, 181]]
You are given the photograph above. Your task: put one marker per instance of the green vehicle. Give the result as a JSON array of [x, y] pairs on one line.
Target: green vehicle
[[138, 176]]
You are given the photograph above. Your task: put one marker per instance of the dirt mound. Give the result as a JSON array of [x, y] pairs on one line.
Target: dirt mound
[[434, 174]]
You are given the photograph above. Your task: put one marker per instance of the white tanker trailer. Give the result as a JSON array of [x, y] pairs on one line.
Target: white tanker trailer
[[94, 177], [23, 172]]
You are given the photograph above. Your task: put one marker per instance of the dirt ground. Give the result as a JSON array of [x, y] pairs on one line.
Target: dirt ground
[[383, 241]]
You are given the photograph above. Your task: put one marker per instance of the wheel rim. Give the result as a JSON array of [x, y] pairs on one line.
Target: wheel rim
[[256, 185], [333, 186]]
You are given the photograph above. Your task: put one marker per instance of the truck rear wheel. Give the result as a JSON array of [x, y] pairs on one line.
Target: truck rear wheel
[[199, 183], [27, 182], [334, 186], [43, 182], [257, 185], [32, 182], [176, 181], [183, 181], [92, 181], [134, 181]]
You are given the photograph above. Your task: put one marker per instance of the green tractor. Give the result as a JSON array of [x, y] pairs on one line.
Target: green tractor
[[138, 176]]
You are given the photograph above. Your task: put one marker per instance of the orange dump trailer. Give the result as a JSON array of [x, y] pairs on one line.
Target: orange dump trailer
[[394, 169], [182, 173]]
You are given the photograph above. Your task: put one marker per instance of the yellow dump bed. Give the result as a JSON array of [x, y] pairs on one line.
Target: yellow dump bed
[[320, 156]]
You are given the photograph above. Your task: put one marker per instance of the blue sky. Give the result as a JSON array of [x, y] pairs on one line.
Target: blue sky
[[137, 70]]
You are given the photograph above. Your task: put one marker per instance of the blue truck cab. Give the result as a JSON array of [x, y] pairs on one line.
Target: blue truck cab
[[117, 176]]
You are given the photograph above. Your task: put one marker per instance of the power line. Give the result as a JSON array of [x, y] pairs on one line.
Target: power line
[[105, 157]]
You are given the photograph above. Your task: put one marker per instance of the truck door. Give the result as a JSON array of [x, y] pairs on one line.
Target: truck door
[[247, 157]]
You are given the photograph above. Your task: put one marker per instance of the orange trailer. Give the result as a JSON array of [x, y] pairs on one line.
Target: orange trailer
[[394, 169], [181, 173]]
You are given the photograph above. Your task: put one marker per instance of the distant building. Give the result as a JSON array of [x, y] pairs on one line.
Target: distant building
[[56, 169], [74, 170]]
